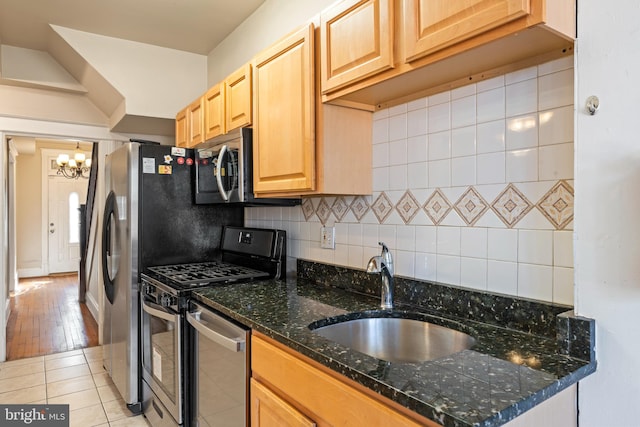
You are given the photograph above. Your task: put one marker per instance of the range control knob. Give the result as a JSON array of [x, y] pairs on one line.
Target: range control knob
[[167, 300]]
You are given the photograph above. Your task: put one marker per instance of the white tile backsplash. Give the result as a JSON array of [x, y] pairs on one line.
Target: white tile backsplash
[[535, 281], [522, 165], [555, 90], [397, 127], [556, 162], [490, 168], [440, 145], [490, 136], [439, 117], [440, 173], [417, 122], [491, 105], [553, 126], [463, 112], [515, 129], [522, 132], [463, 141], [522, 98]]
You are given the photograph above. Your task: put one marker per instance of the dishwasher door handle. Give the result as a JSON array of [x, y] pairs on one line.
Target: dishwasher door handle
[[234, 344]]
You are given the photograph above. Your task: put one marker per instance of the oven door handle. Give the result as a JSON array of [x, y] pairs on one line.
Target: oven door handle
[[234, 344], [158, 311]]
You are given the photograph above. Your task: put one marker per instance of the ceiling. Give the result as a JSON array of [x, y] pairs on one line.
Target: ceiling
[[190, 25]]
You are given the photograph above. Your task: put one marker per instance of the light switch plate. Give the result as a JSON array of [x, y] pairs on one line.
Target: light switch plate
[[328, 237]]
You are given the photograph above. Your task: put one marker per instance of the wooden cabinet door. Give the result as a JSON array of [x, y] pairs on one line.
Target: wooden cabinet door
[[431, 25], [357, 41], [214, 121], [182, 129], [195, 113], [284, 115], [269, 410], [238, 103]]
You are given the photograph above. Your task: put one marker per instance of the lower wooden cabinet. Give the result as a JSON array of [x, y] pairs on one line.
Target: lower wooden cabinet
[[269, 410], [289, 389]]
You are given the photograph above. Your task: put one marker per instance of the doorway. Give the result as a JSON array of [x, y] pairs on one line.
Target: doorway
[[61, 199], [45, 313]]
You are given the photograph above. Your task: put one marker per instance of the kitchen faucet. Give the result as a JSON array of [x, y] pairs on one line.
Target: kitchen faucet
[[383, 264]]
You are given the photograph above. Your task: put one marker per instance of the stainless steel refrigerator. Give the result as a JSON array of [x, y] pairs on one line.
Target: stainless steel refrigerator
[[149, 219]]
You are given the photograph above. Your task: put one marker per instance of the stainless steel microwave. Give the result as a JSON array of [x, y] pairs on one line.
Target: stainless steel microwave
[[224, 172]]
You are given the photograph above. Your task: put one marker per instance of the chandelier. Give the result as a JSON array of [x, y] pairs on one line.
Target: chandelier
[[76, 167]]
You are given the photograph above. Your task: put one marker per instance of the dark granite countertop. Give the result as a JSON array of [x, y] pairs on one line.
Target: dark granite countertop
[[507, 371]]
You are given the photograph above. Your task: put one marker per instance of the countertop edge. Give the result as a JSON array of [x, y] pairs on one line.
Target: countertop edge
[[424, 409]]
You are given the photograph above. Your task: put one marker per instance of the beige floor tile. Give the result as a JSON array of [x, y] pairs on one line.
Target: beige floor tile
[[23, 361], [71, 385], [138, 421], [10, 371], [63, 354], [102, 379], [86, 417], [108, 393], [78, 400], [96, 366], [93, 353], [65, 362], [24, 381], [116, 410], [25, 395], [66, 373]]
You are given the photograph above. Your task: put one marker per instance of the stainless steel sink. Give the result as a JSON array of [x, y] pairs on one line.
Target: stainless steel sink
[[396, 339]]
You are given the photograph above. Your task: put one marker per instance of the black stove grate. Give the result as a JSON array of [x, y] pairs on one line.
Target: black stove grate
[[206, 272]]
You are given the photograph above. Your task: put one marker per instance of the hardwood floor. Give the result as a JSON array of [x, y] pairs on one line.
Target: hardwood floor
[[46, 318]]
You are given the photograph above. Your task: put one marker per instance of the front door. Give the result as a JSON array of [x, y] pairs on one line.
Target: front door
[[65, 197]]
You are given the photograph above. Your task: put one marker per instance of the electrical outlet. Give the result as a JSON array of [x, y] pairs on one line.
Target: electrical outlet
[[328, 237]]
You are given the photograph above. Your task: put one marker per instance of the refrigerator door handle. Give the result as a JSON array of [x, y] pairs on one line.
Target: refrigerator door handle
[[109, 211]]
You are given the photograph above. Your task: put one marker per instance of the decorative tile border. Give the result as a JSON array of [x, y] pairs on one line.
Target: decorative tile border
[[557, 205], [510, 206], [471, 206], [437, 207]]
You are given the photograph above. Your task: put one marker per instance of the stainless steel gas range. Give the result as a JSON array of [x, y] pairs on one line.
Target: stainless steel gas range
[[189, 351]]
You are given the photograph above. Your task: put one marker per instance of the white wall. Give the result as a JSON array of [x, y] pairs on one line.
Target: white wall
[[273, 20], [154, 81], [607, 229]]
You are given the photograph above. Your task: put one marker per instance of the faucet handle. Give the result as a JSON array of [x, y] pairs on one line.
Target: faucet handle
[[384, 247]]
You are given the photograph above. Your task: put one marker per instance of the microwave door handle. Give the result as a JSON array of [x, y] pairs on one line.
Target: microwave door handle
[[221, 189]]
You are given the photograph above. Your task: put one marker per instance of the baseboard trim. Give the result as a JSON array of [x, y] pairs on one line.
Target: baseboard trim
[[31, 272], [92, 305], [7, 311]]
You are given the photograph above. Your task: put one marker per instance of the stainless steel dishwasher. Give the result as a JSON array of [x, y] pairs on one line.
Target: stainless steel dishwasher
[[219, 370]]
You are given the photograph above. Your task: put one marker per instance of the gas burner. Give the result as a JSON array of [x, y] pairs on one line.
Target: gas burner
[[206, 272]]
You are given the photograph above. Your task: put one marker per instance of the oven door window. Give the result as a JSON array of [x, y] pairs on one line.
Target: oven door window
[[161, 351]]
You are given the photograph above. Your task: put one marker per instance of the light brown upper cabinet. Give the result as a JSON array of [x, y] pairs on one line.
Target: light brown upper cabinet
[[239, 98], [195, 122], [283, 135], [190, 124], [214, 107], [439, 45], [181, 128], [302, 146], [357, 41], [433, 25], [223, 108]]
